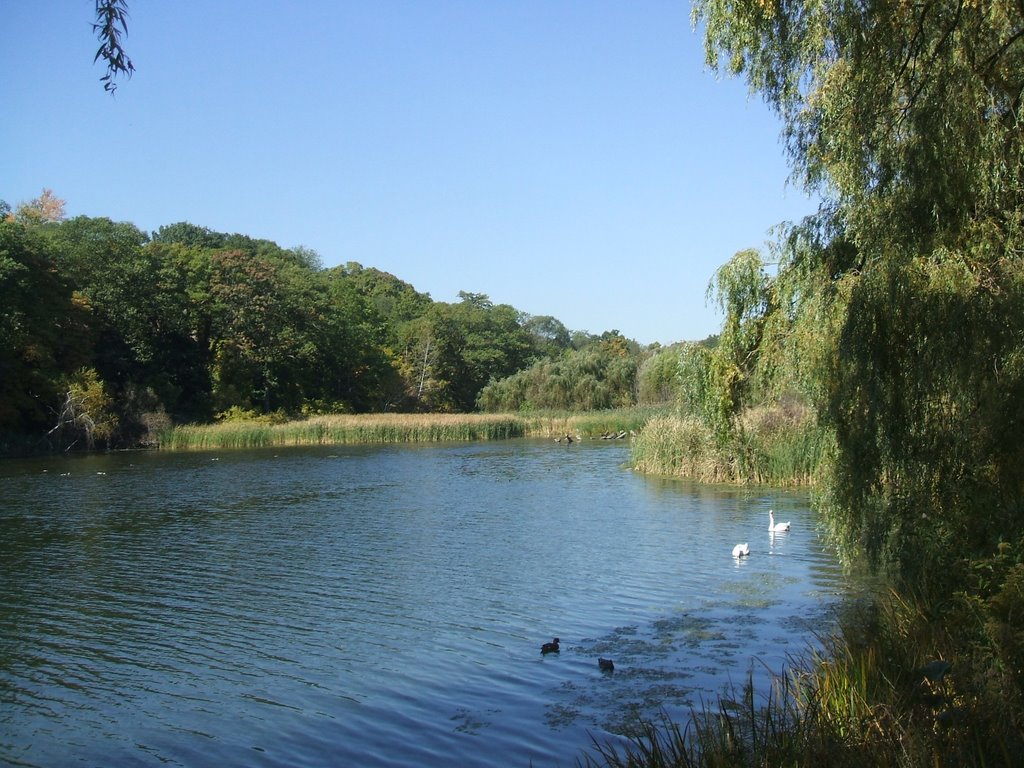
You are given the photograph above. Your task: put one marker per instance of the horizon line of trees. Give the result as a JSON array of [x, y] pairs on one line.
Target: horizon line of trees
[[108, 333]]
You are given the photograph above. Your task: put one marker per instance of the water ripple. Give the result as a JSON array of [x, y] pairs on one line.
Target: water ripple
[[380, 607]]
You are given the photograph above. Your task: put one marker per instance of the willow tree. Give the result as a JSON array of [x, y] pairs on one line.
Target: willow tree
[[745, 294], [906, 117]]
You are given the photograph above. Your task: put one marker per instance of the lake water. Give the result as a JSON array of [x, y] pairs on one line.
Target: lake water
[[382, 606]]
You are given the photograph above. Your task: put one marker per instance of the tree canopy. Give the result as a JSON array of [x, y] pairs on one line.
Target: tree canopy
[[106, 331], [896, 309]]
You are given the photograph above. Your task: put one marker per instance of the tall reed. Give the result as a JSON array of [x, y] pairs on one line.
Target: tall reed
[[399, 428], [330, 430], [680, 446], [589, 424], [777, 446]]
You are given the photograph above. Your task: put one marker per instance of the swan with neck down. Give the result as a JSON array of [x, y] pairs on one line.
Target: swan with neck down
[[776, 527], [741, 550]]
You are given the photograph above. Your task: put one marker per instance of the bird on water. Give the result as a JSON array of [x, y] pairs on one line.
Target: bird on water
[[776, 527], [551, 647]]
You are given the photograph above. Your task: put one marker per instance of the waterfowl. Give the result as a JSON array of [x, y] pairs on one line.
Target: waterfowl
[[606, 665], [551, 647], [741, 550], [776, 527]]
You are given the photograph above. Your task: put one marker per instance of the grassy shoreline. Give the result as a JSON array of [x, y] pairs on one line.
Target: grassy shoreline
[[400, 428], [780, 447]]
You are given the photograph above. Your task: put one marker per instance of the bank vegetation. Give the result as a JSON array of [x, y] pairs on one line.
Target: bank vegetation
[[261, 432], [876, 353]]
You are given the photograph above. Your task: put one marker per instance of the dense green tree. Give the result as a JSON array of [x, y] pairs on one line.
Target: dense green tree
[[900, 301], [106, 263], [394, 300], [184, 233], [657, 379], [137, 313], [452, 351], [550, 336], [186, 272], [580, 380], [261, 315], [45, 330], [495, 344], [357, 369]]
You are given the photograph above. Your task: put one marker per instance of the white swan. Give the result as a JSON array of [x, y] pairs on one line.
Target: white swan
[[741, 550], [776, 527]]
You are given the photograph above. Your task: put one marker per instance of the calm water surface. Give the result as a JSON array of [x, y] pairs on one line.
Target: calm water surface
[[381, 606]]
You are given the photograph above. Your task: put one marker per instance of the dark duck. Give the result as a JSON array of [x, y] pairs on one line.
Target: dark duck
[[551, 647]]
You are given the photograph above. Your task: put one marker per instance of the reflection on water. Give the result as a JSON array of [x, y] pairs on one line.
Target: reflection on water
[[381, 606]]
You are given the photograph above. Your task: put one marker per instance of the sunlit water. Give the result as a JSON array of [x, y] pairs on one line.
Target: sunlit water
[[382, 606]]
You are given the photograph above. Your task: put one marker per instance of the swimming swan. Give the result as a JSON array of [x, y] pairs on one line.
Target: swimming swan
[[741, 550], [776, 527]]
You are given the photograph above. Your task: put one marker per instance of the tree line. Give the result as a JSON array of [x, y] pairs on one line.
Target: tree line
[[107, 332]]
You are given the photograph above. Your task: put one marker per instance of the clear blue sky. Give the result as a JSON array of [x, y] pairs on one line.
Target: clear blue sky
[[573, 159]]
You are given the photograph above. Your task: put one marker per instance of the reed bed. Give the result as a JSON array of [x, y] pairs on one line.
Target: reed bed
[[341, 429], [398, 428], [682, 447], [589, 424], [776, 446]]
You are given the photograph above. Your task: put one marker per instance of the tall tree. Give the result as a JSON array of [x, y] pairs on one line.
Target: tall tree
[[907, 118], [106, 263], [45, 330], [550, 336], [47, 208]]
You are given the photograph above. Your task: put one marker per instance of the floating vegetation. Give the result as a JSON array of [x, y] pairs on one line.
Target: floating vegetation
[[468, 722]]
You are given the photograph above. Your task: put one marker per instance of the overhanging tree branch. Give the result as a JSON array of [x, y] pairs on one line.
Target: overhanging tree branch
[[111, 23]]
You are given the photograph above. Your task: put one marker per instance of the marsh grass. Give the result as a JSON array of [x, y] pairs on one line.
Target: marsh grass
[[397, 428], [680, 446], [781, 445], [736, 731], [904, 683], [589, 424], [340, 429]]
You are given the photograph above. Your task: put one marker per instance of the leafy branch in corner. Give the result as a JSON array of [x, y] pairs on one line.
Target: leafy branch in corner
[[111, 24]]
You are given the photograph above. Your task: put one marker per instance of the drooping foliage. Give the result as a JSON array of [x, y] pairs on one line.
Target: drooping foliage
[[110, 26], [657, 378], [897, 309], [603, 374]]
